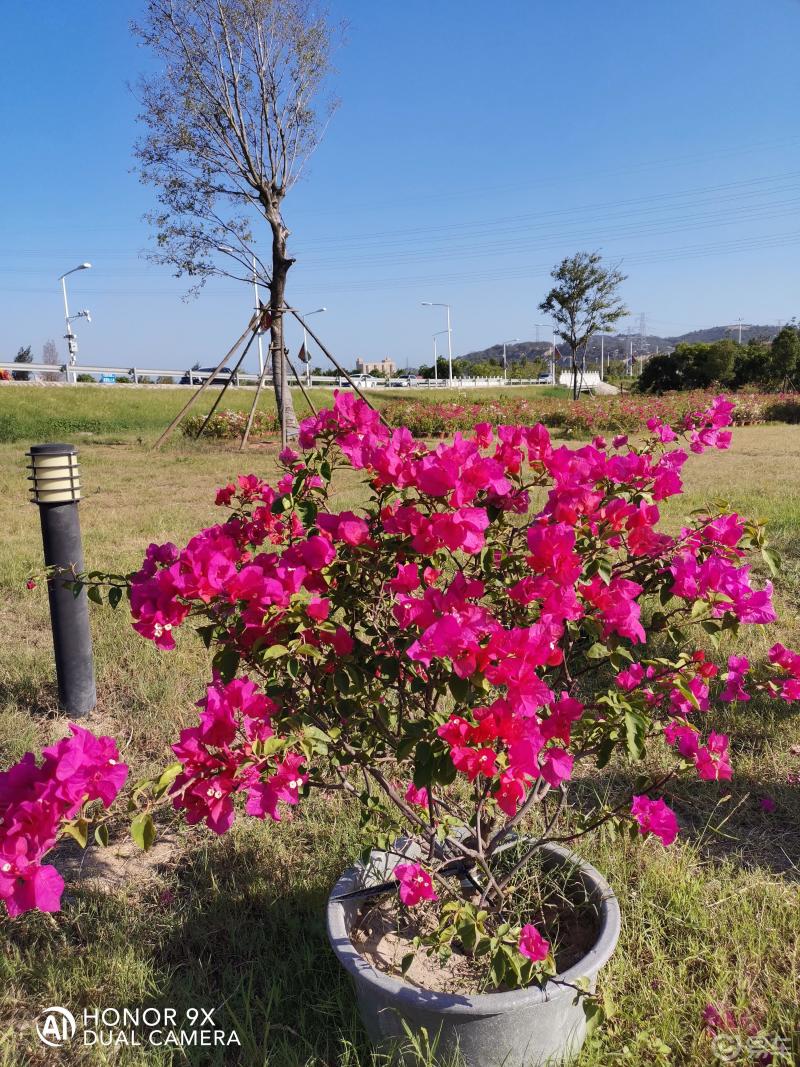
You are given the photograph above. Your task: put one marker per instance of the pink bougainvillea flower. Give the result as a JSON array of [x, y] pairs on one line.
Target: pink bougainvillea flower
[[768, 805], [416, 796], [415, 884], [556, 766], [654, 817], [472, 762], [25, 886], [712, 759], [341, 641], [533, 945]]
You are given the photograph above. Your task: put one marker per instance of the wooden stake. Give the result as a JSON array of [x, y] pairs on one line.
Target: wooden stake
[[251, 416], [221, 393], [307, 398], [193, 399], [338, 366]]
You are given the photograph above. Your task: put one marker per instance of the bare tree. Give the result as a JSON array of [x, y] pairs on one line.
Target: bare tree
[[232, 117], [583, 302], [50, 356]]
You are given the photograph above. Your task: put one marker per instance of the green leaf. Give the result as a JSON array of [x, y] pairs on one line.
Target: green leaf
[[79, 830], [635, 729], [95, 594], [308, 511], [605, 751], [406, 962], [772, 559], [275, 652], [226, 661], [597, 651], [460, 688], [101, 835], [604, 569], [595, 1016], [423, 764], [206, 634], [143, 831], [341, 680], [114, 596], [168, 776]]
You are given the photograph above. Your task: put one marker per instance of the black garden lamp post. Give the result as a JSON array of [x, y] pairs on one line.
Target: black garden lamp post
[[56, 489]]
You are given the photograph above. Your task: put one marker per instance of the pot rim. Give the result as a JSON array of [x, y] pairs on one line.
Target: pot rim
[[481, 1003]]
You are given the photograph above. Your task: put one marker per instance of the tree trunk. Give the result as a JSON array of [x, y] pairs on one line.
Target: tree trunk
[[574, 374], [287, 419]]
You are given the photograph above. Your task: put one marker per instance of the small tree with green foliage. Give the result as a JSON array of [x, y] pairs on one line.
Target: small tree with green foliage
[[752, 364], [784, 359], [22, 356], [690, 366], [584, 301]]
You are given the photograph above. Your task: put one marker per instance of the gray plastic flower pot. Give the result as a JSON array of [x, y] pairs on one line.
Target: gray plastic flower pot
[[524, 1028]]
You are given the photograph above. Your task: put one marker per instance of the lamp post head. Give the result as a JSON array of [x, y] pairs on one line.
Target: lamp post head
[[54, 474], [85, 266]]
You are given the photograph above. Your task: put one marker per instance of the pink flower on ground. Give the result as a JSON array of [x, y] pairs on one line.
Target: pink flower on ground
[[415, 884], [654, 817], [768, 805], [532, 944]]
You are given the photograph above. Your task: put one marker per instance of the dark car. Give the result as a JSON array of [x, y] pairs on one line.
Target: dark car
[[202, 374]]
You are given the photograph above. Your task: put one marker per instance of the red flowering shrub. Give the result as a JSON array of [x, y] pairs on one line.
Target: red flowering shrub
[[502, 611]]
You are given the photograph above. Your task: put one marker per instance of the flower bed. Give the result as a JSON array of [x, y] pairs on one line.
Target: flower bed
[[230, 425], [627, 413], [608, 414]]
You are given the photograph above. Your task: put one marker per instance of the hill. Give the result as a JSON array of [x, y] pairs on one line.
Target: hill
[[616, 346]]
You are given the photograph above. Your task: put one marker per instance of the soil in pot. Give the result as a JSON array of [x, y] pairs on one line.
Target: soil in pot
[[553, 899]]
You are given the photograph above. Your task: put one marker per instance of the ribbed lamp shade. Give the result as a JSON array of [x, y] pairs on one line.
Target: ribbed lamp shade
[[54, 477]]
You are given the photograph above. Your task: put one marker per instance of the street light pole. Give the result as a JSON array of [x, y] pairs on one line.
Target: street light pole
[[434, 304], [305, 343], [550, 326], [510, 341], [257, 310], [436, 357], [69, 336]]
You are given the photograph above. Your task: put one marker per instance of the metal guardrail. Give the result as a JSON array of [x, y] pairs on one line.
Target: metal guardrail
[[317, 380]]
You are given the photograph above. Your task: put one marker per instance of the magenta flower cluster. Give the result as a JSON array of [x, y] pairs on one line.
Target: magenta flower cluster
[[36, 801]]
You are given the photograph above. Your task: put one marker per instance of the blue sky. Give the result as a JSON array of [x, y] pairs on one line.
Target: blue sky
[[474, 147]]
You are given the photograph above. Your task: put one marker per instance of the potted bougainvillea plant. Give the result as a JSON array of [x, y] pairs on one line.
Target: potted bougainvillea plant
[[500, 616]]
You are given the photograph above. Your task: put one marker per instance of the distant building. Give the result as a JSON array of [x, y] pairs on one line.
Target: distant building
[[383, 366]]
